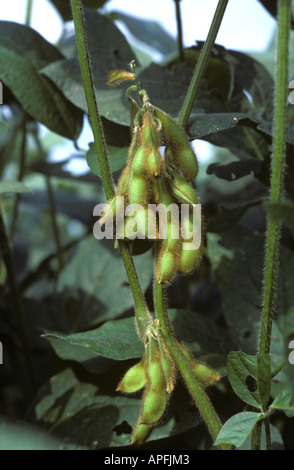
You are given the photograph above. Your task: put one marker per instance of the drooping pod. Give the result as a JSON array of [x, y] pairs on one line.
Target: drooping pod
[[139, 190], [182, 190], [155, 399], [140, 433], [169, 233], [134, 379], [191, 253], [178, 148]]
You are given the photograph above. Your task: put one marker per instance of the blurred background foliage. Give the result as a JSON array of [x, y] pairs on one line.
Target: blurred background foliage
[[74, 296]]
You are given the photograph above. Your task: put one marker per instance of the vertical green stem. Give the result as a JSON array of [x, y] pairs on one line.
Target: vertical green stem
[[142, 315], [21, 171], [180, 31], [29, 10], [53, 214], [202, 63], [277, 172], [276, 189]]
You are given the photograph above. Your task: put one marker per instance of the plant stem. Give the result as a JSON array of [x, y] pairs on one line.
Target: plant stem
[[29, 10], [198, 394], [142, 315], [202, 63], [180, 31], [272, 245], [28, 385], [52, 209], [277, 173], [21, 171]]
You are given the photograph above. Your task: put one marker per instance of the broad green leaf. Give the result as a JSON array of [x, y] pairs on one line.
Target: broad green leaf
[[148, 31], [240, 367], [282, 402], [237, 428], [98, 272], [84, 417], [23, 52], [115, 339], [9, 186], [118, 340], [117, 158], [250, 377]]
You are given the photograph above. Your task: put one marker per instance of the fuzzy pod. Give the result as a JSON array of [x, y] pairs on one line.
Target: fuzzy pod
[[182, 190], [205, 374], [138, 167], [139, 190], [154, 399], [145, 223], [174, 133], [154, 162], [168, 366], [166, 265], [140, 433], [189, 260], [187, 161], [134, 379], [123, 182], [114, 209], [135, 145], [150, 131]]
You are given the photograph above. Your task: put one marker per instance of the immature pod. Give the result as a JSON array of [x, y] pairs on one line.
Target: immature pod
[[154, 162], [178, 148], [114, 209], [134, 379], [123, 182], [205, 374], [182, 190], [150, 131], [155, 399], [187, 161], [190, 254], [139, 190], [168, 366]]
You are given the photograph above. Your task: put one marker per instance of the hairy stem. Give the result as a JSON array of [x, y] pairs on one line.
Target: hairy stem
[[277, 172], [143, 317], [202, 63], [276, 189]]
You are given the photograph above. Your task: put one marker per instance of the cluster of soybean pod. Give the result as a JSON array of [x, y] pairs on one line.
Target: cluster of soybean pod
[[148, 178]]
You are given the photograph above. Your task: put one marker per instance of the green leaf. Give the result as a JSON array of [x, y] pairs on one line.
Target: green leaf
[[282, 402], [117, 158], [98, 272], [9, 186], [86, 418], [23, 52], [237, 428], [148, 31], [250, 377], [115, 339], [241, 368]]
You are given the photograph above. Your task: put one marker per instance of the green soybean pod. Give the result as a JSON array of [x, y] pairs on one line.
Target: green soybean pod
[[139, 190], [154, 400], [187, 161], [134, 379], [154, 162], [182, 190], [140, 433]]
